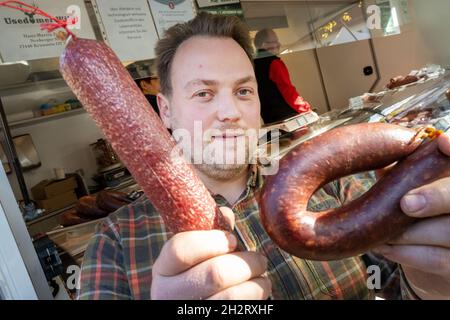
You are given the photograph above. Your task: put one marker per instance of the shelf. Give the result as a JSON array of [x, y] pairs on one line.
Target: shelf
[[46, 216], [24, 87], [28, 122]]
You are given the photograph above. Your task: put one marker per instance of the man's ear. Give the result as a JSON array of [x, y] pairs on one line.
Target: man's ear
[[144, 86], [164, 110]]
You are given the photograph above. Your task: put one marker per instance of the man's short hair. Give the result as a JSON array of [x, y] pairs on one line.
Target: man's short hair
[[204, 24], [260, 37]]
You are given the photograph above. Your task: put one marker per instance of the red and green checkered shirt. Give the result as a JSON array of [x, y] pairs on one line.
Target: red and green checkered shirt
[[118, 261]]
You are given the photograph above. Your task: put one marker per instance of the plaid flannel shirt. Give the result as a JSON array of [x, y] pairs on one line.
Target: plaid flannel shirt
[[118, 261]]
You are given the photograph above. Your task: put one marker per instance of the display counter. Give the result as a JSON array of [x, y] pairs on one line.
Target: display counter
[[423, 102]]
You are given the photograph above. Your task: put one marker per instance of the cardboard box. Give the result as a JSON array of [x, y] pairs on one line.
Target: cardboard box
[[57, 202], [47, 189]]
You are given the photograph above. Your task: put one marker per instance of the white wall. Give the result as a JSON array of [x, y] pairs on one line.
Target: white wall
[[305, 75], [432, 20], [342, 69], [399, 54]]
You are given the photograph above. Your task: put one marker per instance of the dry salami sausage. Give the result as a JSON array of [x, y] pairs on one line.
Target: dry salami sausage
[[110, 95], [370, 220]]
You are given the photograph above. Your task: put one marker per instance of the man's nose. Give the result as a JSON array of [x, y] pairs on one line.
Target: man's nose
[[228, 108]]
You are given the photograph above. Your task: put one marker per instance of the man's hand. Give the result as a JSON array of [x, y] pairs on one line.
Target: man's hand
[[202, 265], [423, 250]]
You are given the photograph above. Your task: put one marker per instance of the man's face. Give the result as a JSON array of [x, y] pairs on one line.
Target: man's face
[[271, 43], [213, 83]]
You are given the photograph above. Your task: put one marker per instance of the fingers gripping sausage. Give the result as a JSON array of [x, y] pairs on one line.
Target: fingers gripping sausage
[[356, 227], [110, 95]]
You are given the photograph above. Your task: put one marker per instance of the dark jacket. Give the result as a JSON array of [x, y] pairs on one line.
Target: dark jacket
[[273, 106]]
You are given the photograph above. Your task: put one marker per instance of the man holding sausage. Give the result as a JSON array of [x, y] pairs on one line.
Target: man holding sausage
[[206, 75]]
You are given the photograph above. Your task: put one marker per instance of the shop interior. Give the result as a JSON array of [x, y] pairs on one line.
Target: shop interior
[[341, 56]]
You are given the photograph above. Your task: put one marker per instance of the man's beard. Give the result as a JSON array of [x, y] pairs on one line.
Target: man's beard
[[226, 170], [221, 158]]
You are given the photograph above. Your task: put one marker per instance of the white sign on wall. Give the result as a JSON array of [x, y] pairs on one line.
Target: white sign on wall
[[167, 13], [211, 3], [22, 39], [129, 28]]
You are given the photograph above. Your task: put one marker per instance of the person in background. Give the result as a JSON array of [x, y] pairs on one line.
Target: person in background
[[150, 87], [279, 98]]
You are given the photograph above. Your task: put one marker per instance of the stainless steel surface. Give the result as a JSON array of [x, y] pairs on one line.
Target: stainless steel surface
[[26, 152]]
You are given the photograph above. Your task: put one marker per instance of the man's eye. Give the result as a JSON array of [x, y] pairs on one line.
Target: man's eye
[[203, 94], [244, 92]]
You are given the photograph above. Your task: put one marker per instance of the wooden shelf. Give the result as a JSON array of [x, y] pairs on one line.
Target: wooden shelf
[[28, 122]]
